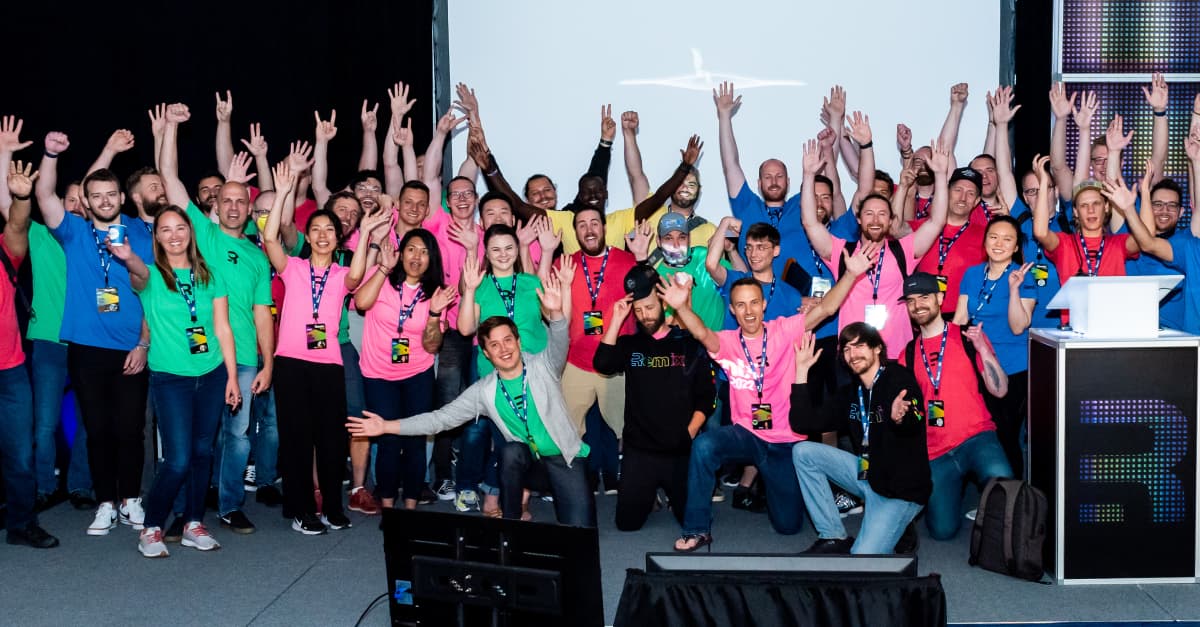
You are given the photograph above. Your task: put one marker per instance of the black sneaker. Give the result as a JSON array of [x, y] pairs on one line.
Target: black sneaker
[[830, 546], [427, 496], [32, 535], [846, 503], [41, 502], [82, 501], [237, 522], [744, 498], [269, 495], [308, 525], [612, 486], [909, 540], [731, 480], [174, 533], [336, 521]]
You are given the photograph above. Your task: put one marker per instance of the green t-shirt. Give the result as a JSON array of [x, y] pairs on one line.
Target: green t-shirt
[[532, 426], [246, 274], [49, 284], [169, 319], [527, 312], [342, 258], [706, 296]]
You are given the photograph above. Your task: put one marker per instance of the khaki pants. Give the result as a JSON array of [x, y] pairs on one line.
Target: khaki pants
[[582, 388]]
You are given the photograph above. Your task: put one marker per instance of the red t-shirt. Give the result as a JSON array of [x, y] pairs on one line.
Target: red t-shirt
[[965, 412], [963, 248], [11, 354], [611, 290], [1068, 258]]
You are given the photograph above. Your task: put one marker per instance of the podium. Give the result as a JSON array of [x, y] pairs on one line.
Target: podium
[[1114, 306]]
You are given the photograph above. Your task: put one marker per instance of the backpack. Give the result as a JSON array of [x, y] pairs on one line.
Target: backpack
[[1009, 530], [893, 246]]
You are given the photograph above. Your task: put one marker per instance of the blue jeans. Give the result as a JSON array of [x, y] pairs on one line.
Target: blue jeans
[[980, 455], [16, 446], [48, 373], [604, 457], [474, 454], [401, 458], [884, 519], [455, 363], [734, 444], [188, 410], [234, 446], [573, 501], [264, 438]]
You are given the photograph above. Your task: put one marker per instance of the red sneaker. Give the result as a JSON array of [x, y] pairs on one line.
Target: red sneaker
[[362, 502]]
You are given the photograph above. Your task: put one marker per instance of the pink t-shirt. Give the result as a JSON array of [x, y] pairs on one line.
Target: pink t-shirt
[[380, 335], [782, 334], [584, 343], [296, 316], [897, 330], [11, 354]]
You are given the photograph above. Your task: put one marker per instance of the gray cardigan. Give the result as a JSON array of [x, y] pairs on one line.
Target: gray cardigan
[[545, 385]]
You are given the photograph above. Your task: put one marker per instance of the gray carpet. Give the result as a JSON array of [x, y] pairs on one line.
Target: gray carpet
[[277, 577]]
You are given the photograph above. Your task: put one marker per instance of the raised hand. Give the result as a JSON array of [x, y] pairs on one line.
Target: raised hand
[[723, 98], [389, 256], [1002, 109], [899, 407], [974, 334], [472, 275], [466, 237], [639, 241], [224, 107], [284, 177], [548, 238], [1115, 137], [860, 128], [478, 152], [566, 271], [1156, 94], [369, 117], [1147, 178], [326, 130], [675, 294], [10, 134], [402, 135], [239, 169], [939, 158], [691, 154], [398, 100], [908, 176], [813, 161], [1060, 104], [120, 141], [442, 298], [958, 94], [158, 119], [863, 259], [1088, 105], [620, 310], [298, 156], [1039, 168], [1017, 276], [467, 102], [550, 294], [528, 233], [629, 122], [178, 113], [1192, 144], [21, 177], [1122, 198], [835, 104], [448, 122], [904, 139], [608, 126], [806, 352], [57, 143], [375, 225], [257, 144]]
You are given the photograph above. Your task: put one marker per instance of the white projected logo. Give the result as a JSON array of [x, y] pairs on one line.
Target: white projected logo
[[703, 80]]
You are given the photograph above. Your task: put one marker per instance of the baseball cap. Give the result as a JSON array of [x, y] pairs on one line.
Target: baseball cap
[[1084, 186], [920, 283], [968, 174], [640, 281], [672, 221]]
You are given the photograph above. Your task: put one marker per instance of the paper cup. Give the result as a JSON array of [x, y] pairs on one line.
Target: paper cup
[[116, 234]]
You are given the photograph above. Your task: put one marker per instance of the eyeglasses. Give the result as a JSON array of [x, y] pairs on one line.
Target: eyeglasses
[[363, 187], [1099, 159], [461, 195], [1158, 204], [1032, 191]]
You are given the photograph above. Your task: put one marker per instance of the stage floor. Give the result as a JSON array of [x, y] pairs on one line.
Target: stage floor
[[278, 577]]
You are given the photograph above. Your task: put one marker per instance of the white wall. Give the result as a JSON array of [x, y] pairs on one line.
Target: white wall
[[542, 68]]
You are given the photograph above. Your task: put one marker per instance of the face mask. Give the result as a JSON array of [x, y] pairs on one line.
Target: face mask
[[674, 256], [261, 222]]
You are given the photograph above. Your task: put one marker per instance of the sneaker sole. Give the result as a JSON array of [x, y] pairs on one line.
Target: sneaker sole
[[335, 527], [190, 544], [308, 532], [718, 498], [91, 531], [136, 526], [360, 510], [164, 553], [245, 531], [447, 497], [250, 488], [851, 512]]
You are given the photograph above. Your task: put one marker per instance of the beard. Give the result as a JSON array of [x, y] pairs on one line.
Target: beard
[[154, 205], [653, 326], [683, 203]]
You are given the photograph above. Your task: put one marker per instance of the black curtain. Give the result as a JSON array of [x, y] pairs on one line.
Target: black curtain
[[1032, 54]]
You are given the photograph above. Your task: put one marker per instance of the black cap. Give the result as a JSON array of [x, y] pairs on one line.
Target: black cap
[[968, 174], [920, 283], [641, 281]]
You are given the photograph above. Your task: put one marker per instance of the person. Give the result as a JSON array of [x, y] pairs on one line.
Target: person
[[677, 255], [105, 335], [404, 300], [1165, 200], [1001, 294], [309, 407], [960, 433], [523, 397], [16, 399], [189, 380], [669, 394], [756, 392], [762, 249], [887, 468], [960, 244], [875, 301], [244, 272]]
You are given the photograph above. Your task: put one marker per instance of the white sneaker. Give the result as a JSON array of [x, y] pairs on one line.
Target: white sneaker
[[150, 543], [971, 514], [106, 519], [132, 513], [196, 535], [466, 501]]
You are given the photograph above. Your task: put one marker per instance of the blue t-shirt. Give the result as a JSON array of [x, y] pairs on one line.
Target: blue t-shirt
[[785, 301], [987, 304], [1170, 308], [1044, 288], [1187, 259], [83, 323]]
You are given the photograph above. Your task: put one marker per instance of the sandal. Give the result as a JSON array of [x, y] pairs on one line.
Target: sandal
[[493, 513], [701, 540]]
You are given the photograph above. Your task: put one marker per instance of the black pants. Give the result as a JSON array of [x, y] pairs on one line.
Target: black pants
[[573, 501], [643, 472], [453, 373], [114, 414], [822, 377], [310, 406], [1009, 413]]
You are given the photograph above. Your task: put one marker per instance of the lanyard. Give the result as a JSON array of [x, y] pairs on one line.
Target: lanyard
[[877, 274], [508, 297], [937, 382], [987, 211], [317, 287], [770, 294], [188, 293], [105, 257], [944, 245], [864, 409], [521, 410], [985, 291], [760, 371], [1087, 259], [594, 292], [819, 263], [406, 312]]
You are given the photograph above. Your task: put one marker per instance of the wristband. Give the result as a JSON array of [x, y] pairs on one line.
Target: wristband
[[20, 197], [605, 143], [142, 345], [52, 155], [1160, 114], [373, 246], [492, 173], [435, 314], [870, 144]]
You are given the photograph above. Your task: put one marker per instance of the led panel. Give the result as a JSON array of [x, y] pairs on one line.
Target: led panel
[[1130, 36]]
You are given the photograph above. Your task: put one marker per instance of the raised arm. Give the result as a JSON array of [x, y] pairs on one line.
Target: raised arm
[[727, 105], [368, 159], [1156, 97], [10, 142], [818, 235], [602, 155], [431, 175], [1020, 310], [1124, 200], [120, 141], [286, 181], [224, 112], [688, 157], [373, 229], [856, 265], [18, 183], [679, 296], [1088, 104], [51, 205], [468, 104], [468, 309], [1061, 106], [860, 132], [825, 141], [639, 185], [940, 162], [1002, 114], [158, 121], [1192, 145], [1116, 139], [716, 246], [949, 134], [168, 162], [1041, 208], [320, 171], [257, 146]]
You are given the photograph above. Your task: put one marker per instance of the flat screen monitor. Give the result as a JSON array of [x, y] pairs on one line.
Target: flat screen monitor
[[816, 565]]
